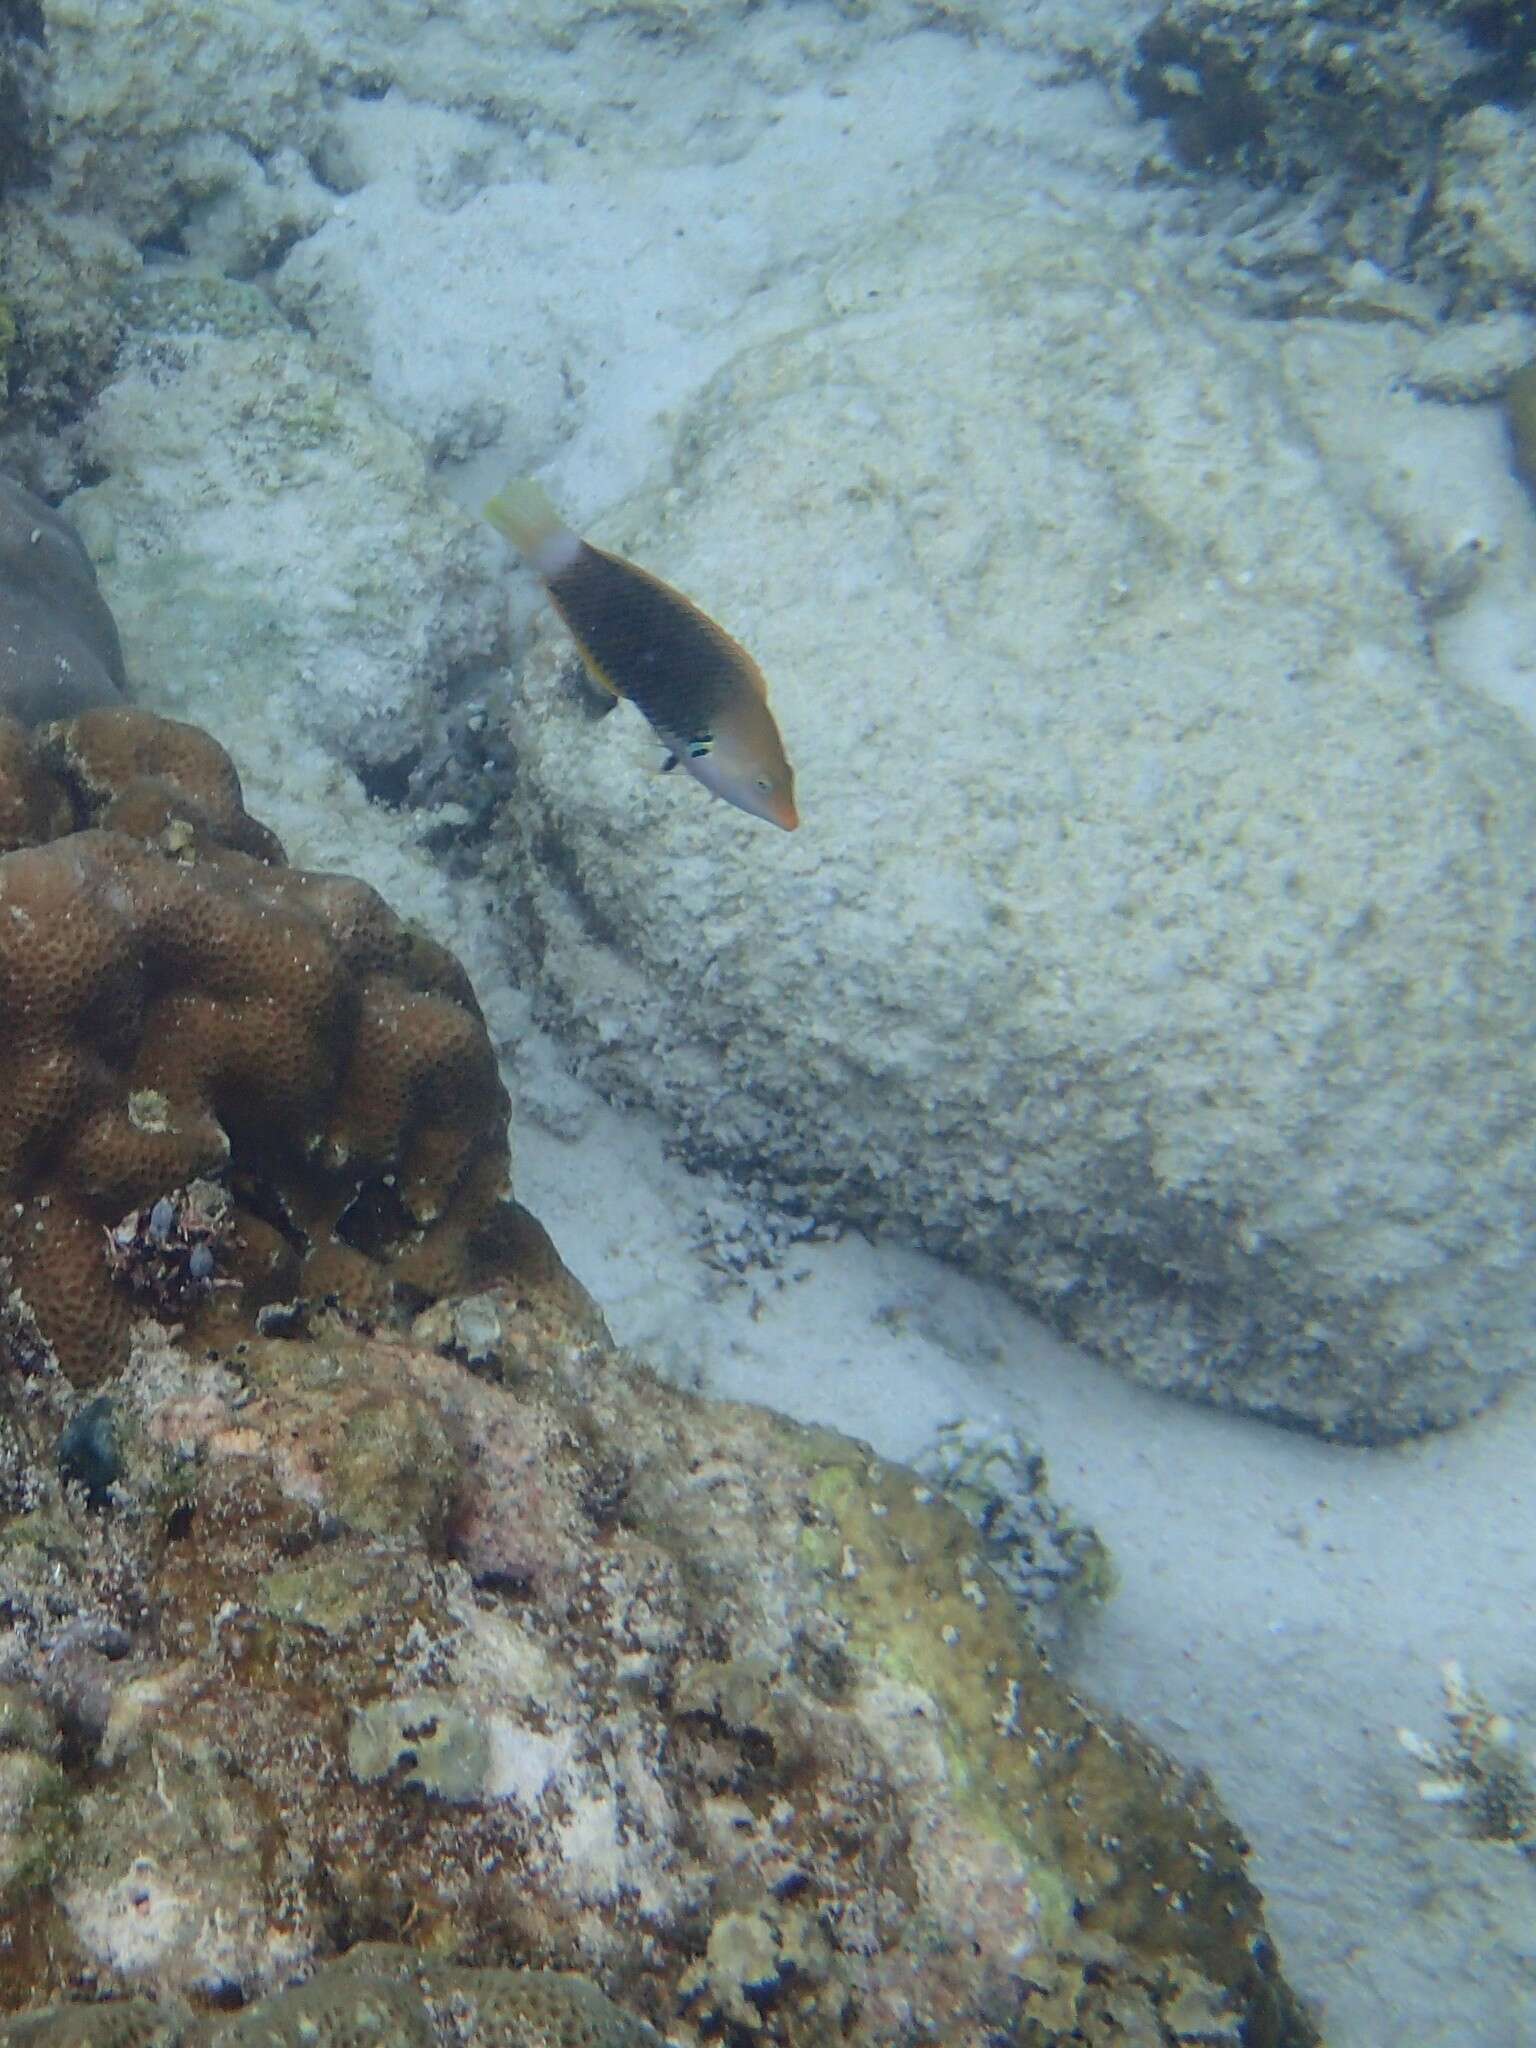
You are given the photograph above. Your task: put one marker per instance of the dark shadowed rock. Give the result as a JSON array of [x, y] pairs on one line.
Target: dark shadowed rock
[[59, 650]]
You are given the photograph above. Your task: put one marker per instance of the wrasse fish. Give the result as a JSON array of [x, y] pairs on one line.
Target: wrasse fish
[[641, 639]]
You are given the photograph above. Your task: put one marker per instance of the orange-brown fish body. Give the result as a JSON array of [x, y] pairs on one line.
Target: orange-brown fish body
[[701, 691]]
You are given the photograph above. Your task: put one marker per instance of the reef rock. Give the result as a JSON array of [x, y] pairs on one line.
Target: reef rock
[[1384, 132], [227, 1084], [201, 127], [158, 109], [1157, 936], [322, 574], [538, 1665], [62, 282]]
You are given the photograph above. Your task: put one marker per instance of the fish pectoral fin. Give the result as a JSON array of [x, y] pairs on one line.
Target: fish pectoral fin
[[669, 764]]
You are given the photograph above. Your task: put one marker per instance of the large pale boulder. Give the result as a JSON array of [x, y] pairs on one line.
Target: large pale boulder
[[1157, 938]]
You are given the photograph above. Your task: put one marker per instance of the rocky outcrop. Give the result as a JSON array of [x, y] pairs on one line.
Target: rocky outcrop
[[1398, 135], [328, 585], [1156, 939], [484, 1641]]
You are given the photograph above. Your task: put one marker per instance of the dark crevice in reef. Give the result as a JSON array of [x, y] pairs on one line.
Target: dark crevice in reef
[[389, 782], [22, 128], [1508, 35], [23, 18]]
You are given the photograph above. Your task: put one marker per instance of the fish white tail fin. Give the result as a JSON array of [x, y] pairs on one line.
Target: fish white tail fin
[[524, 514]]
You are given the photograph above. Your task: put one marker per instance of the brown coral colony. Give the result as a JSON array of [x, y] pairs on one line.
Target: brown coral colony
[[218, 1068]]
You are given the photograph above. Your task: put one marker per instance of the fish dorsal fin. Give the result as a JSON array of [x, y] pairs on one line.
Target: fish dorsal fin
[[525, 516]]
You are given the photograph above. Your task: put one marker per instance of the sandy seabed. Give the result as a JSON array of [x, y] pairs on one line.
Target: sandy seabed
[[1284, 1604]]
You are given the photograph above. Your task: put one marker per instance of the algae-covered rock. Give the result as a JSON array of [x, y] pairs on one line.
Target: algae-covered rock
[[1485, 199], [125, 2023], [375, 1997], [1156, 904], [323, 573], [427, 1741], [64, 282], [34, 1808], [158, 108], [1052, 1564], [712, 1710]]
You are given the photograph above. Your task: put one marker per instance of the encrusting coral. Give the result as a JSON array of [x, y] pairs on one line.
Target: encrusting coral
[[375, 1994], [179, 1007]]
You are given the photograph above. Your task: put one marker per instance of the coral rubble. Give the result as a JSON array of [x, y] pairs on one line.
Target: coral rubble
[[181, 1008], [1393, 134], [1482, 1769], [1050, 1563], [541, 1665]]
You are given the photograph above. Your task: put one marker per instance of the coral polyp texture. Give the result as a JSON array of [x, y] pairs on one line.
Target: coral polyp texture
[[178, 1007], [480, 1639]]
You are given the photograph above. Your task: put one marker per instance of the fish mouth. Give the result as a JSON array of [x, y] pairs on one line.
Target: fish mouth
[[783, 813]]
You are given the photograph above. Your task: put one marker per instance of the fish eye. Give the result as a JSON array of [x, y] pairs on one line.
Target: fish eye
[[764, 784]]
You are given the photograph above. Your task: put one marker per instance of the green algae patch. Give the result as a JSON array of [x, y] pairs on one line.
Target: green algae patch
[[1136, 1870], [427, 1741], [43, 1539], [394, 1471], [338, 1595], [903, 1573], [36, 1816]]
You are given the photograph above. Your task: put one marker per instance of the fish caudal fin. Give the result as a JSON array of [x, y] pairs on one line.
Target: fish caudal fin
[[525, 516]]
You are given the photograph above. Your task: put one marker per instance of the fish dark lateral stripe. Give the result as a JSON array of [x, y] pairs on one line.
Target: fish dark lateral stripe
[[676, 665]]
